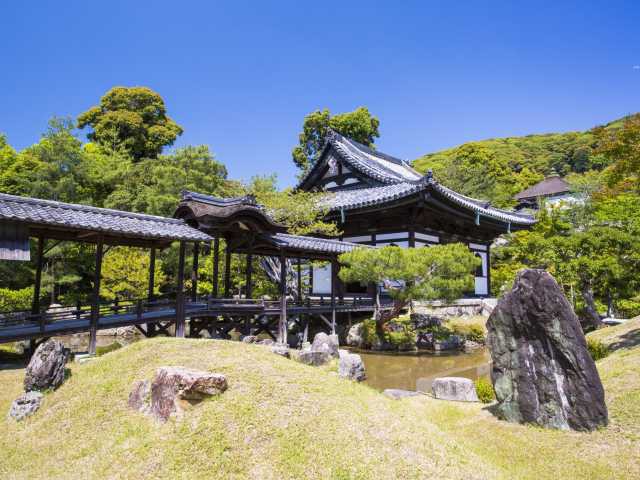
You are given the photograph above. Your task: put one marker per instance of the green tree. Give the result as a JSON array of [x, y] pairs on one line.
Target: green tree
[[621, 146], [133, 119], [442, 272], [358, 125], [125, 274]]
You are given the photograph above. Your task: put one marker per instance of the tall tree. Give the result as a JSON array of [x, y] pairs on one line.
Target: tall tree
[[358, 125], [441, 272], [622, 147], [133, 119]]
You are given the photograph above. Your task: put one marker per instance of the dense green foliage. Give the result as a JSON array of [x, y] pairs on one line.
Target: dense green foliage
[[133, 120], [497, 169], [125, 274], [358, 125], [11, 300], [485, 391], [438, 272], [597, 349]]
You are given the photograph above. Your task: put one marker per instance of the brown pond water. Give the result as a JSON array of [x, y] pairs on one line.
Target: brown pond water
[[417, 371]]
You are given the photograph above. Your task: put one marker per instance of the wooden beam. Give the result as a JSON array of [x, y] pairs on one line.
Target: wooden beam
[[216, 265], [299, 280], [180, 293], [95, 300], [194, 271], [282, 330]]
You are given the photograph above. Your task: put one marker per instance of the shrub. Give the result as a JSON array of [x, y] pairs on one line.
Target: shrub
[[629, 308], [369, 335], [15, 299], [485, 391], [472, 332], [597, 349]]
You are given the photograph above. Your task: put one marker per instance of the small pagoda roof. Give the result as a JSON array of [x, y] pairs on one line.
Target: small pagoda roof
[[380, 196], [82, 222], [552, 185], [376, 165]]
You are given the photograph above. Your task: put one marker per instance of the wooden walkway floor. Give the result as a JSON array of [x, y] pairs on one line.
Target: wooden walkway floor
[[15, 326]]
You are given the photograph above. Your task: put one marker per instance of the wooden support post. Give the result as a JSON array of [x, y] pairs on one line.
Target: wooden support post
[[488, 270], [299, 281], [334, 284], [227, 272], [305, 335], [151, 327], [249, 286], [282, 330], [95, 300], [35, 305], [180, 293], [194, 271], [216, 265]]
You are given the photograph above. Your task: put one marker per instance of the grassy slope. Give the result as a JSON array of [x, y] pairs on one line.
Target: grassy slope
[[281, 419]]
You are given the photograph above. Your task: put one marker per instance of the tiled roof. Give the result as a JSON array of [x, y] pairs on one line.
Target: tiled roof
[[365, 197], [549, 186], [372, 163], [312, 244], [47, 212]]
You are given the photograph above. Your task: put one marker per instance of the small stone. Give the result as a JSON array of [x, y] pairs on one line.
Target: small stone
[[249, 339], [398, 394], [354, 336], [26, 404], [454, 388], [174, 388], [266, 342], [309, 357], [351, 366], [140, 396], [46, 367], [324, 342], [470, 346], [281, 349]]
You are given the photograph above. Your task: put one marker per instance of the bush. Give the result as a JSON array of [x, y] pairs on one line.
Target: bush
[[401, 334], [629, 308], [597, 349], [485, 391], [11, 300], [472, 332]]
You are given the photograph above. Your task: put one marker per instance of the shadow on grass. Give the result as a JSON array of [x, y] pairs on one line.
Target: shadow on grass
[[12, 360], [628, 340]]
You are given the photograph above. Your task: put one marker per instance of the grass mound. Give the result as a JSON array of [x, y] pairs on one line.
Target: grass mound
[[281, 419]]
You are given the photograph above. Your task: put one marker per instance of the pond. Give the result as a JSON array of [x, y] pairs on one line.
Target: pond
[[417, 371]]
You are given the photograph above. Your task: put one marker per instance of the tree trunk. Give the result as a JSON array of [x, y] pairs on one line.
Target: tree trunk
[[383, 317], [590, 308]]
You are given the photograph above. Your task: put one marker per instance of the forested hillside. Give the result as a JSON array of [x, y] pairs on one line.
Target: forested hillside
[[498, 168]]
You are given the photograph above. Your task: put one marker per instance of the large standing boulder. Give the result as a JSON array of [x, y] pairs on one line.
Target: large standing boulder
[[173, 389], [46, 367], [454, 388], [26, 404], [542, 372], [351, 366], [309, 357], [355, 335], [326, 343]]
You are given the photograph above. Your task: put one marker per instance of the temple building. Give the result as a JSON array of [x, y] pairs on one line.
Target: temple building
[[377, 199], [551, 191]]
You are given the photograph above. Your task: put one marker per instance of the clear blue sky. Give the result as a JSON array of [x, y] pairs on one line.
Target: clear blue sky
[[240, 76]]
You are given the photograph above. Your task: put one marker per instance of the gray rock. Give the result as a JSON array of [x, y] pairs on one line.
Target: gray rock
[[266, 342], [26, 404], [398, 394], [354, 336], [140, 396], [425, 320], [249, 339], [470, 346], [326, 343], [46, 367], [351, 366], [281, 349], [454, 388], [309, 357], [174, 388], [542, 372]]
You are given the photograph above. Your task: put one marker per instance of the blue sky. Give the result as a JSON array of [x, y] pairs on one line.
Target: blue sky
[[241, 76]]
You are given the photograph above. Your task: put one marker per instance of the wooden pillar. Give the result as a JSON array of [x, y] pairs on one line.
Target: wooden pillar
[[194, 271], [299, 280], [488, 270], [35, 305], [151, 327], [334, 284], [216, 265], [282, 325], [249, 286], [227, 272], [180, 318], [95, 300]]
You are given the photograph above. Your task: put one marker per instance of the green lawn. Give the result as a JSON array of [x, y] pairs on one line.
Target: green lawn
[[280, 419]]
